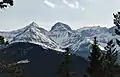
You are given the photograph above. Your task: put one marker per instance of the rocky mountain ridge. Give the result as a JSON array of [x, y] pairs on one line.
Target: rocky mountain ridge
[[62, 36]]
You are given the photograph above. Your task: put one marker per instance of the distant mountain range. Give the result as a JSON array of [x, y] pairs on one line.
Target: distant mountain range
[[62, 36], [44, 49]]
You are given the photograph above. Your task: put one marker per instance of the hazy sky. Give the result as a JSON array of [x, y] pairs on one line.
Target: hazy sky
[[76, 13]]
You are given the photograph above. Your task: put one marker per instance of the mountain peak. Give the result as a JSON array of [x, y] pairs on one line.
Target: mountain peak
[[35, 34], [59, 23], [33, 24], [59, 26], [33, 27]]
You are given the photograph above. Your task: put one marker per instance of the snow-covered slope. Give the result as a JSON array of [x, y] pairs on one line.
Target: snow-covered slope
[[33, 34], [60, 32], [78, 39], [11, 34], [61, 35], [103, 36]]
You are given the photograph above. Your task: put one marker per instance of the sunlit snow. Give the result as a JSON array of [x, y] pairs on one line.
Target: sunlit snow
[[23, 61]]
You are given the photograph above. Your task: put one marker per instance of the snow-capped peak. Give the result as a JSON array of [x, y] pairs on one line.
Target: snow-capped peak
[[33, 24], [60, 33], [60, 27], [32, 34]]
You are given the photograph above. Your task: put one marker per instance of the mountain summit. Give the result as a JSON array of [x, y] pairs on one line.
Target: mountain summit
[[34, 26], [61, 27], [60, 32], [32, 34]]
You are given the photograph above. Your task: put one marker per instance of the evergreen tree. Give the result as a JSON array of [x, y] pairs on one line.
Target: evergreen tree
[[5, 3], [117, 23], [2, 40], [117, 31], [64, 69], [95, 68], [110, 59]]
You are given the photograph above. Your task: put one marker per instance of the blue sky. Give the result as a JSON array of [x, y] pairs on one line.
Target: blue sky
[[76, 13]]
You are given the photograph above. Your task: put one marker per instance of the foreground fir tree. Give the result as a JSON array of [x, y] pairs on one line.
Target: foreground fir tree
[[117, 23], [95, 68], [110, 59]]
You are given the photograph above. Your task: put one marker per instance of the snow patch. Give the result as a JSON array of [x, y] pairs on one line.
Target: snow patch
[[23, 61]]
